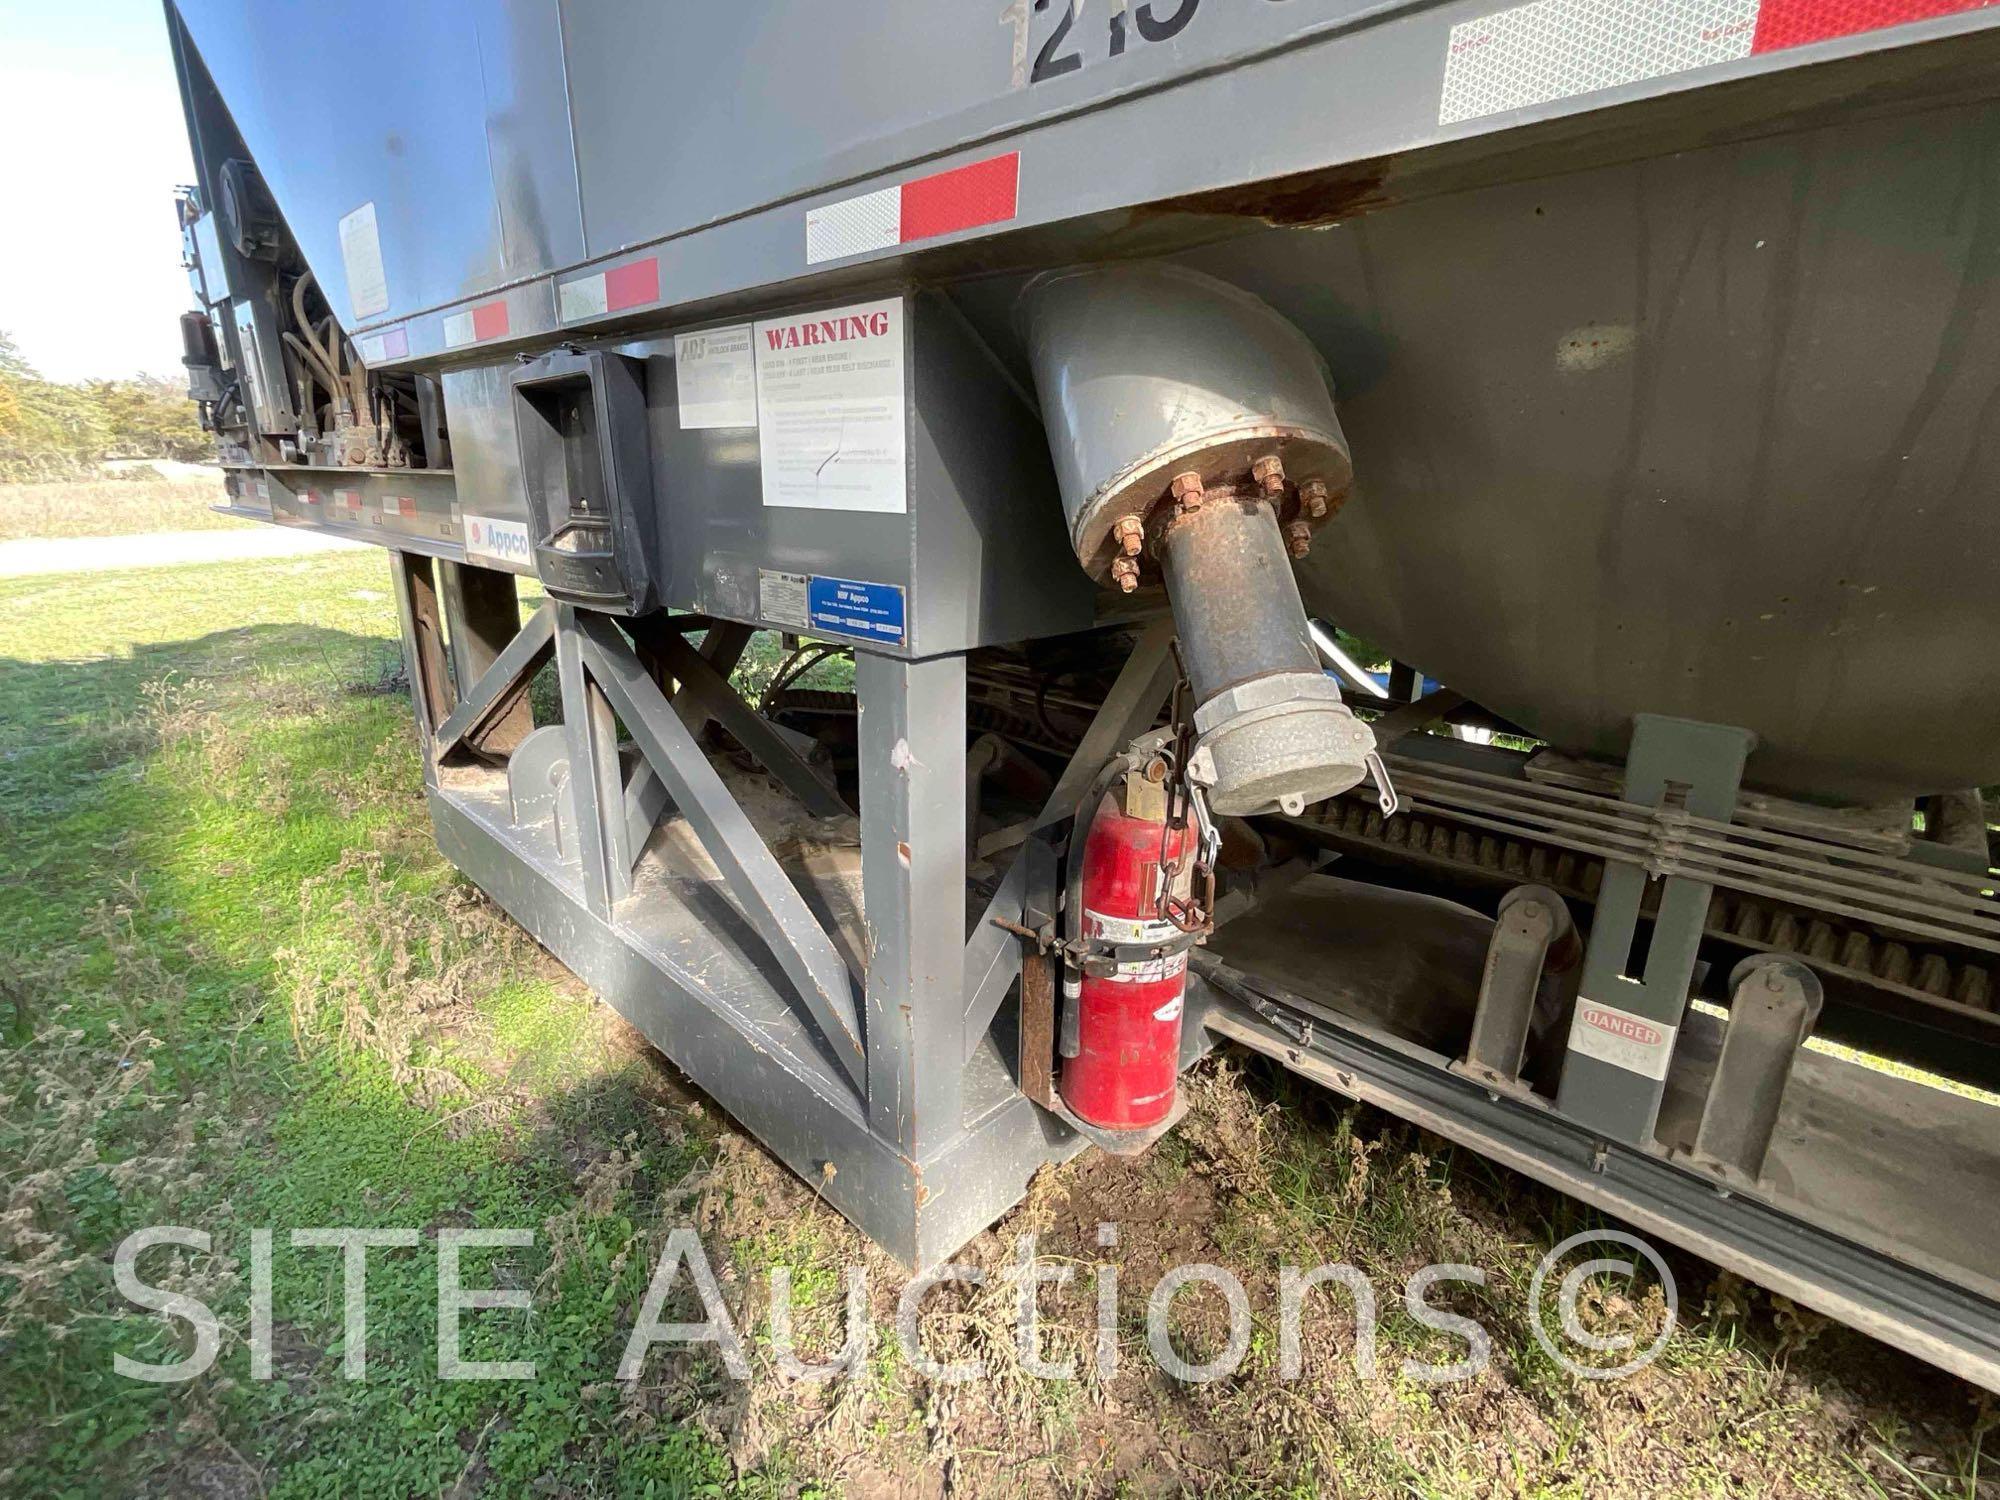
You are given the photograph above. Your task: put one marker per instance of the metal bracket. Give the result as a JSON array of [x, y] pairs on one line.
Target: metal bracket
[[1533, 936], [1773, 1004]]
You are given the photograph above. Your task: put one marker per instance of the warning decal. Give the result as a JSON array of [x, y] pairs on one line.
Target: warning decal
[[361, 254], [1621, 1038], [829, 393]]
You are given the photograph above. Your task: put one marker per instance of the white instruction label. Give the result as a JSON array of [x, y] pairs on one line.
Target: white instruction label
[[1622, 1039], [503, 541], [716, 375], [781, 597], [1147, 970], [830, 405], [361, 253], [1128, 929]]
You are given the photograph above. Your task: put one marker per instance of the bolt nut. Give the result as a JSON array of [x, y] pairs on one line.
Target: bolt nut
[[1130, 534], [1269, 472], [1312, 498], [1186, 490], [1299, 538], [1125, 573]]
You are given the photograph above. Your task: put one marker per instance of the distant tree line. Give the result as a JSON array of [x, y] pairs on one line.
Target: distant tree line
[[49, 430]]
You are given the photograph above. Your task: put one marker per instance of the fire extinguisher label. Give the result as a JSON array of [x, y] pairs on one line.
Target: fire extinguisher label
[[1127, 929], [1169, 1011], [1145, 970]]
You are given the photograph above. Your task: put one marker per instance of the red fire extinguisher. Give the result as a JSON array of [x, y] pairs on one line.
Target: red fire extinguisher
[[1122, 1021]]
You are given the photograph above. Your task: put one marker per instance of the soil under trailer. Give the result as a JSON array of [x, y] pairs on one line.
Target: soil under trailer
[[1624, 372]]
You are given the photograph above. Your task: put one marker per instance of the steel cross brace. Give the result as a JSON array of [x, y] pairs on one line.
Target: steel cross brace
[[708, 694], [497, 687], [769, 900]]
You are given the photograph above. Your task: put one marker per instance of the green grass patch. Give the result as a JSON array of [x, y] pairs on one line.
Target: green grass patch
[[246, 991]]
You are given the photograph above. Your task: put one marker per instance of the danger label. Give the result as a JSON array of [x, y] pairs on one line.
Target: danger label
[[1624, 1040]]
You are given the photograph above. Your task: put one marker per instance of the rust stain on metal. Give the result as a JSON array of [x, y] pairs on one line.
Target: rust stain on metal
[[1325, 195]]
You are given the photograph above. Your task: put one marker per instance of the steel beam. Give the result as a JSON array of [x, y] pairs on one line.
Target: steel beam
[[722, 647], [812, 1122], [1879, 1294], [766, 895], [1130, 709], [912, 751], [491, 699]]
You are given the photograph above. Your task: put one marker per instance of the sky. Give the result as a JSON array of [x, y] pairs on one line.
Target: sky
[[90, 261]]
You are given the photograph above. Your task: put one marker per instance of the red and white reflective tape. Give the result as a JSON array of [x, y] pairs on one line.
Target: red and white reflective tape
[[476, 325], [981, 192], [394, 343], [634, 284], [1557, 49], [347, 499]]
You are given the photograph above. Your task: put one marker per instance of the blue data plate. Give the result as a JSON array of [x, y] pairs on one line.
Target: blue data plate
[[844, 606]]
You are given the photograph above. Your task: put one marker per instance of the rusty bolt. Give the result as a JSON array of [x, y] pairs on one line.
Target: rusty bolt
[[1130, 534], [1125, 573], [1312, 497], [1299, 537], [1186, 490], [1269, 472]]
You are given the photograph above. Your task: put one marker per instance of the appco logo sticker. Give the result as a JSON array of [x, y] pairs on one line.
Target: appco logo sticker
[[506, 541]]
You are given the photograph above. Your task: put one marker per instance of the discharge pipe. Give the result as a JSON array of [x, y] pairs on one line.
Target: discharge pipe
[[1195, 442]]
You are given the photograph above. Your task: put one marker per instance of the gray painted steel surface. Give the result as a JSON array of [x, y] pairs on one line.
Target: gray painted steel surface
[[1678, 407]]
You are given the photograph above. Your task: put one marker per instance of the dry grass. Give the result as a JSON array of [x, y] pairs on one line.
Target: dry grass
[[111, 507]]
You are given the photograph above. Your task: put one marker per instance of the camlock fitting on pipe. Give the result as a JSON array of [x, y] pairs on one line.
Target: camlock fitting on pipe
[[1193, 431]]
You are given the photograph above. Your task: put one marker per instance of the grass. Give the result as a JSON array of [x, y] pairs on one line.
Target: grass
[[112, 507], [244, 991]]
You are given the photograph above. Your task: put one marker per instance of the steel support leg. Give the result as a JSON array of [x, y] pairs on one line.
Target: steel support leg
[[1622, 1037], [912, 749], [423, 649], [596, 779]]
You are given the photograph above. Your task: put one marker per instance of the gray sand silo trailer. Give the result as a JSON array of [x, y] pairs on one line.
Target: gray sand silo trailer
[[1632, 369]]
